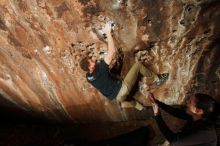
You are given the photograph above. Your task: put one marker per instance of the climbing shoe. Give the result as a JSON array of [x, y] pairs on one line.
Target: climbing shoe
[[162, 79]]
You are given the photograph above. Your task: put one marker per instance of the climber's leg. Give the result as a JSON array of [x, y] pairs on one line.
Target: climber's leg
[[132, 75], [131, 78], [123, 92]]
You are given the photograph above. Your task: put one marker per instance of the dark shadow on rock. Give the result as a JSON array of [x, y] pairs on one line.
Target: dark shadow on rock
[[138, 137], [207, 78]]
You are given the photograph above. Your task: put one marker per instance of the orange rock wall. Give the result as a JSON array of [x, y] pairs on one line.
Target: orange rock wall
[[42, 42]]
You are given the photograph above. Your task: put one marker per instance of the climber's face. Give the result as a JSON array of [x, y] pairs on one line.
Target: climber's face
[[92, 65]]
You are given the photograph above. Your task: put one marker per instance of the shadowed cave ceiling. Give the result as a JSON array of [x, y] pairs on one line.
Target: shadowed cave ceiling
[[42, 42]]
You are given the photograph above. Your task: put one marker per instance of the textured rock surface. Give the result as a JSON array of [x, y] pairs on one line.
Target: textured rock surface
[[41, 43]]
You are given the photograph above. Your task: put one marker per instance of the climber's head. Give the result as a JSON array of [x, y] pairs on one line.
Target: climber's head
[[201, 106], [87, 64]]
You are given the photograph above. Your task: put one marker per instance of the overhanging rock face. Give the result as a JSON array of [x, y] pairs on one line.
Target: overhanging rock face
[[42, 42]]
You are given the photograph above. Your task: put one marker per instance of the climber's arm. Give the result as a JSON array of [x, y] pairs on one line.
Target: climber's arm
[[111, 46]]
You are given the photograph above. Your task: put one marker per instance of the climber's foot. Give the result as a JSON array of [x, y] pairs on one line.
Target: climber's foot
[[162, 79]]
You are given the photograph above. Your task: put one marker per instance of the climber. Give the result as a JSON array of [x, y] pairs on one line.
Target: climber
[[200, 114], [98, 74]]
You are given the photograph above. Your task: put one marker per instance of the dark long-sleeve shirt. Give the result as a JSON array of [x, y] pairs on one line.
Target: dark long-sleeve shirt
[[199, 133], [102, 80]]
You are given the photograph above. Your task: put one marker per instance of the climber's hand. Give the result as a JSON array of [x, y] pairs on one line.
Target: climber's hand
[[154, 104], [108, 28], [155, 109]]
